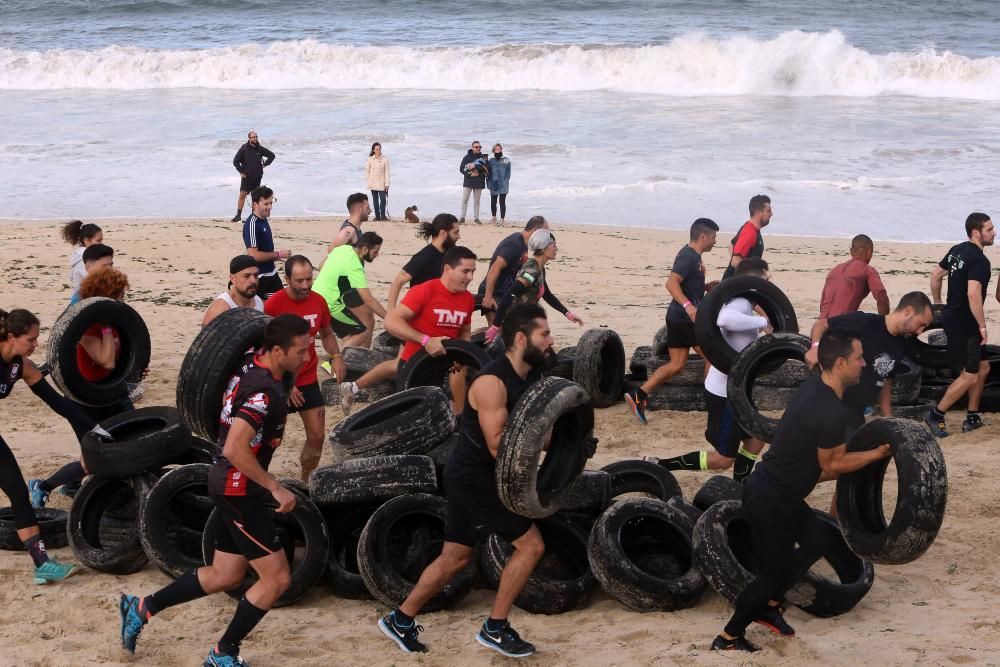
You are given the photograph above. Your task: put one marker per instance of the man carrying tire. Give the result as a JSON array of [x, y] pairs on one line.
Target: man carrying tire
[[749, 242], [810, 446], [242, 292], [472, 495], [968, 272], [686, 284], [506, 261], [344, 285], [260, 243], [429, 314], [305, 397], [251, 427]]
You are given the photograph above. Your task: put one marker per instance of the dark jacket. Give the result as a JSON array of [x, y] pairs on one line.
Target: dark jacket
[[476, 182], [250, 160]]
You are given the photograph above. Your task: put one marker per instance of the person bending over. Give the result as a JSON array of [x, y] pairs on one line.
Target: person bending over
[[342, 282], [506, 261], [443, 234], [242, 291], [848, 284]]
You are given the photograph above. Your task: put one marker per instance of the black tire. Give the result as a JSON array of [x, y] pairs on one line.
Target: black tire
[[565, 360], [589, 494], [716, 489], [103, 526], [640, 551], [600, 366], [771, 399], [637, 363], [906, 385], [52, 523], [692, 375], [303, 535], [344, 524], [679, 397], [199, 451], [760, 292], [561, 582], [788, 374], [386, 344], [216, 355], [923, 493], [934, 352], [917, 410], [144, 439], [374, 478], [689, 510], [767, 351], [360, 360], [638, 476], [659, 346], [410, 422], [423, 370], [524, 486], [66, 334], [164, 537], [402, 538]]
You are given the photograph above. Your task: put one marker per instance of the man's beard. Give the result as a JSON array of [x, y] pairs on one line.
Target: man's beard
[[538, 357], [248, 293], [367, 259], [449, 243]]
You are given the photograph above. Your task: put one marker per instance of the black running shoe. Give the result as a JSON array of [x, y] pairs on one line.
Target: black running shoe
[[774, 620], [404, 635], [738, 644], [237, 218], [937, 426], [971, 423], [505, 641]]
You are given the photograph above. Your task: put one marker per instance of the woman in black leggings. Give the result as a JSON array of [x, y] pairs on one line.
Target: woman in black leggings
[[18, 340]]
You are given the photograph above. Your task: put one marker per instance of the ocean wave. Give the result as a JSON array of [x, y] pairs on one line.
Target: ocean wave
[[793, 64]]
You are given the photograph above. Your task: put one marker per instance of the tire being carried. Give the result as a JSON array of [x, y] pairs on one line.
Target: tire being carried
[[144, 439], [423, 370], [599, 366], [413, 421]]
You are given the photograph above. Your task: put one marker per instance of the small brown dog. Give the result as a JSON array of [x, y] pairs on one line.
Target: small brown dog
[[410, 216]]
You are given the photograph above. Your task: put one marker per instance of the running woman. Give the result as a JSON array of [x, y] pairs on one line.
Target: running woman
[[251, 427], [443, 234], [82, 236], [18, 340], [749, 242], [242, 292]]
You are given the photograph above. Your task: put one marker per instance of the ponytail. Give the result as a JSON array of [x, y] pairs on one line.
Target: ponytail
[[76, 232], [16, 322], [442, 222]]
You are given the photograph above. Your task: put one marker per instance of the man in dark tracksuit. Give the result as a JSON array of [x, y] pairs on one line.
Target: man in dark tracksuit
[[250, 161]]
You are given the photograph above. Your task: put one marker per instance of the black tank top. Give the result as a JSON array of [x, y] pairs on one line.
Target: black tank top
[[471, 461], [10, 372]]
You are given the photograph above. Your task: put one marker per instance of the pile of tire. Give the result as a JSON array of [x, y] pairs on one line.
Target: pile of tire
[[682, 392]]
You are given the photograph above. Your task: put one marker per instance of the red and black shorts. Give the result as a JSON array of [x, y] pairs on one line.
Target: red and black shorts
[[248, 527]]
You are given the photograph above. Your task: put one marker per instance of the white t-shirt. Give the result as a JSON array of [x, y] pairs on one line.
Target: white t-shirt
[[739, 328], [77, 271], [258, 304]]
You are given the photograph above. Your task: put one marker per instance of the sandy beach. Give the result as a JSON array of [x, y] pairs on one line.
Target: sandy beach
[[941, 609]]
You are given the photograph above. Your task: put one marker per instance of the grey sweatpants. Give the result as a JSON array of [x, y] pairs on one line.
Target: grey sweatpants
[[476, 194]]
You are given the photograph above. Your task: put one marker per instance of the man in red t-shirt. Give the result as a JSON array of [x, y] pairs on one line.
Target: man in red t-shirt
[[429, 314], [749, 242], [305, 398]]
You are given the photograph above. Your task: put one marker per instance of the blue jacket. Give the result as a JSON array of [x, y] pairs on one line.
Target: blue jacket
[[499, 178]]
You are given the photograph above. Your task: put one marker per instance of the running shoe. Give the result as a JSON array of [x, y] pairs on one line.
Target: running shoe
[[637, 406], [132, 621], [505, 641], [971, 423], [937, 426], [774, 620], [215, 659], [39, 496], [346, 398], [237, 218], [738, 644], [404, 635], [53, 570]]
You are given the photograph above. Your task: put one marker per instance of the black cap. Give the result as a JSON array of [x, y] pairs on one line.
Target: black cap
[[241, 262]]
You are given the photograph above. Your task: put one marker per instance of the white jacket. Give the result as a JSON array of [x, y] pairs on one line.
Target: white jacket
[[77, 271], [377, 173]]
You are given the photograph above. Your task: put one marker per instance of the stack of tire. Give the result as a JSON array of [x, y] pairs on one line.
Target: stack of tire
[[682, 392], [932, 357]]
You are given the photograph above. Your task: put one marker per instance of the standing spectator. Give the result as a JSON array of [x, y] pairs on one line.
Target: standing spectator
[[473, 168], [250, 161], [342, 282], [499, 182], [428, 264], [506, 261], [260, 244], [377, 173], [96, 256], [82, 236], [749, 242], [849, 283], [358, 211], [242, 292]]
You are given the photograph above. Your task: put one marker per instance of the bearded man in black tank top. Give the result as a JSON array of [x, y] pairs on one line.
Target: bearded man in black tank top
[[472, 496]]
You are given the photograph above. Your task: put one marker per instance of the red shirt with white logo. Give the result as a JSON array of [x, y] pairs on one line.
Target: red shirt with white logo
[[312, 309], [439, 312]]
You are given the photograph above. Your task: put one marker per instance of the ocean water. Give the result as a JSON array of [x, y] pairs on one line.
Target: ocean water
[[853, 116]]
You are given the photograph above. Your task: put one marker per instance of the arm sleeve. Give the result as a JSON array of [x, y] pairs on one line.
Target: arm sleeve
[[825, 300], [746, 241], [514, 292], [62, 406], [944, 263], [268, 156], [249, 234], [552, 300], [732, 319], [238, 160]]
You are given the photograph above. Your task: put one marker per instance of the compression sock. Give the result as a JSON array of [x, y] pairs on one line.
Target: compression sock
[[689, 461], [972, 414], [744, 464], [494, 624], [938, 415], [36, 547], [245, 619], [69, 474], [182, 589]]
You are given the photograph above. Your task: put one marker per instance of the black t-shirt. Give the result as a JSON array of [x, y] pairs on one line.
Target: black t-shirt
[[814, 419], [514, 251], [471, 461], [883, 353], [258, 399], [425, 265], [10, 372], [964, 262], [688, 266]]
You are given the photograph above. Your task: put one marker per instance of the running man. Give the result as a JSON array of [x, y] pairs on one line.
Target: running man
[[849, 283], [443, 234], [358, 210], [342, 282], [251, 427], [250, 161], [242, 292], [506, 261], [740, 327], [964, 320], [686, 284], [305, 397], [749, 242], [430, 313], [810, 446]]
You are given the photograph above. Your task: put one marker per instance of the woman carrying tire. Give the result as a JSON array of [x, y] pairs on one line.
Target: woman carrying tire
[[377, 173], [18, 340], [81, 236]]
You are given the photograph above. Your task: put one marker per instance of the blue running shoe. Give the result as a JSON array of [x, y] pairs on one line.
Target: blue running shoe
[[215, 659], [39, 496], [404, 635], [636, 405], [505, 641], [53, 570], [132, 621]]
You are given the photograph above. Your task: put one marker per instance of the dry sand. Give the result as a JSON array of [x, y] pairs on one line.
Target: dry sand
[[942, 609]]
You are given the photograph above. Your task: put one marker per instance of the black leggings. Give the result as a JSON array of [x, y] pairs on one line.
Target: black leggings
[[503, 205], [13, 485]]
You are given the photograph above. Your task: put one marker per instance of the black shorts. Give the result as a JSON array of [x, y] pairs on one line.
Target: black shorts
[[269, 285], [344, 324], [248, 184], [248, 527], [471, 506], [722, 430], [313, 396], [965, 350], [681, 335]]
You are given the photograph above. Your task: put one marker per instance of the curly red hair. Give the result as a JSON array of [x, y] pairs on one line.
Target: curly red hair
[[107, 282]]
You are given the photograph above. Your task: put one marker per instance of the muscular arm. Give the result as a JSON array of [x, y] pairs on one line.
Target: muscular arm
[[937, 278], [237, 450], [976, 304], [342, 237], [396, 287], [488, 397], [492, 276], [838, 461], [371, 302], [673, 286], [397, 322], [101, 350], [812, 356], [877, 289], [885, 399], [217, 308]]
